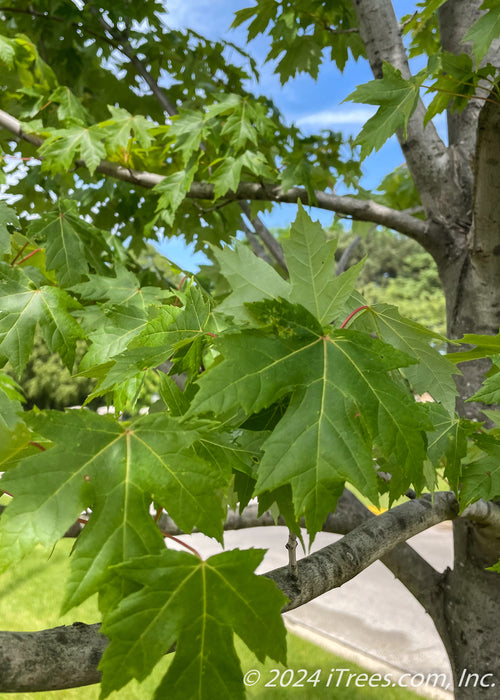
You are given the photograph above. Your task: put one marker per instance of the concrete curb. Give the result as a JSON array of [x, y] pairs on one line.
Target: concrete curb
[[361, 658]]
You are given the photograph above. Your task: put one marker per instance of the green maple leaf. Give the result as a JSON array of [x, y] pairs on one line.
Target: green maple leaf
[[304, 55], [227, 176], [311, 264], [172, 190], [199, 605], [122, 126], [173, 328], [70, 109], [262, 13], [182, 335], [118, 470], [455, 85], [123, 288], [187, 130], [23, 305], [115, 330], [485, 29], [343, 402], [125, 374], [63, 234], [251, 279], [434, 373], [239, 127], [397, 99], [481, 477], [448, 440], [63, 146], [489, 392], [7, 216]]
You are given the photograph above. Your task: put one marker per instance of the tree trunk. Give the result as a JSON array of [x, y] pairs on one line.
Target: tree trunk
[[470, 624], [471, 606]]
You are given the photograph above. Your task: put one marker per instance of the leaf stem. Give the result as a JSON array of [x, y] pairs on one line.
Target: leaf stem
[[183, 544], [361, 308], [19, 252], [37, 250], [37, 444]]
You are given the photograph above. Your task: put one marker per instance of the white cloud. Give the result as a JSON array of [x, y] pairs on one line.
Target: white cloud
[[328, 118]]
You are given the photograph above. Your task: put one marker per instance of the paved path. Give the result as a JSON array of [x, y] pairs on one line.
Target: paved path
[[372, 620]]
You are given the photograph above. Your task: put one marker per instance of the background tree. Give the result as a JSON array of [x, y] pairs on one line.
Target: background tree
[[120, 129]]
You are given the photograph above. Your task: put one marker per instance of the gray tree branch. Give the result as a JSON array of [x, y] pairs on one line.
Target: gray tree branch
[[266, 236], [337, 563], [53, 659], [361, 209]]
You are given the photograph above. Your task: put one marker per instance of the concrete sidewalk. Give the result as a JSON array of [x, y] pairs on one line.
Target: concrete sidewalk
[[372, 620]]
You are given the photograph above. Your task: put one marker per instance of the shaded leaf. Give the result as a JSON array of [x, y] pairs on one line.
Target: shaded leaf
[[200, 605], [23, 305], [118, 470]]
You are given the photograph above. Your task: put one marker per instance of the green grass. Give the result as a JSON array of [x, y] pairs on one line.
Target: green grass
[[30, 598]]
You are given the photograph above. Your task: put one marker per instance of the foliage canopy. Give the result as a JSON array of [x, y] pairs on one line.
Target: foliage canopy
[[295, 385]]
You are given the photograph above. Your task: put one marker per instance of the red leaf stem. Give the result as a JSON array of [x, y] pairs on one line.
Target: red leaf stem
[[361, 308]]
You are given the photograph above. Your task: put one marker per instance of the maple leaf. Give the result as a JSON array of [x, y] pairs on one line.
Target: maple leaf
[[123, 288], [343, 402], [172, 190], [311, 264], [481, 476], [117, 469], [63, 146], [226, 176], [489, 392], [70, 109], [485, 29], [23, 305], [123, 126], [434, 373], [199, 605], [68, 242], [187, 130], [251, 279], [448, 440], [173, 328], [116, 325], [174, 333], [397, 99]]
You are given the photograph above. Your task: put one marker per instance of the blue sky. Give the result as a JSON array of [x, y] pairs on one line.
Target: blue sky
[[310, 104]]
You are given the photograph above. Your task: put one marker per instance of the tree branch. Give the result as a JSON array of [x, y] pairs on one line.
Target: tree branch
[[346, 256], [255, 244], [337, 563], [266, 236], [53, 659], [361, 209]]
